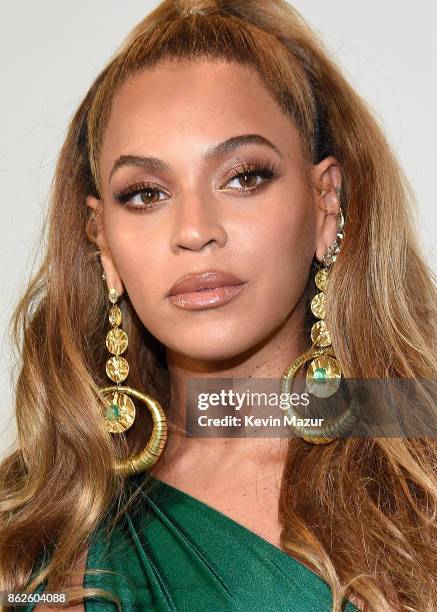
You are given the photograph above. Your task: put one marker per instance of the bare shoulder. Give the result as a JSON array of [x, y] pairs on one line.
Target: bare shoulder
[[76, 580]]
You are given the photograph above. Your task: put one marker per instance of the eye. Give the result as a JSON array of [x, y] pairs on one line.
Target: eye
[[140, 197], [248, 177]]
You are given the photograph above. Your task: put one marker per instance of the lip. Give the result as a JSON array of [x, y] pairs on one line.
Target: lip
[[208, 289]]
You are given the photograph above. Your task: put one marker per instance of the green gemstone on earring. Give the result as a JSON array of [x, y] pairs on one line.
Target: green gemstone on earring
[[113, 412], [119, 411], [323, 376], [320, 374]]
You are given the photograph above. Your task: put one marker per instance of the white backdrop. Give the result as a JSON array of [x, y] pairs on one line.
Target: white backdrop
[[51, 51]]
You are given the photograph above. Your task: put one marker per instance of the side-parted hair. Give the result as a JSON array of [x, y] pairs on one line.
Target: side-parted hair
[[360, 511]]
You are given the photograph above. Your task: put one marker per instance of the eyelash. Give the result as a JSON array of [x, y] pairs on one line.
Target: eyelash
[[268, 171]]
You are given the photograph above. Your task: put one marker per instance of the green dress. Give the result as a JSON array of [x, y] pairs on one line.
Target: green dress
[[172, 552]]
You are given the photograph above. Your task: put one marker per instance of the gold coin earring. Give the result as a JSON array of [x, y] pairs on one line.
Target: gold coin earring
[[323, 375], [120, 409]]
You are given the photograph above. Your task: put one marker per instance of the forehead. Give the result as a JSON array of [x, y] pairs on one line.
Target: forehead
[[186, 106]]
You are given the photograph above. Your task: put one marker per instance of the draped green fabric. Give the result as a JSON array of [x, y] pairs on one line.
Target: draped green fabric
[[172, 552]]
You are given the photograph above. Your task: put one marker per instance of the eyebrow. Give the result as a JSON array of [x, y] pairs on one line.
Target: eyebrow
[[214, 152]]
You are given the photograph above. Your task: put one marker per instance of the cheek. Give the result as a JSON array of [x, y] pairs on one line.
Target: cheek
[[284, 247], [139, 259]]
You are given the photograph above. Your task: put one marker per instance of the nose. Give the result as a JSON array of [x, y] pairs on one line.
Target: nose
[[197, 225]]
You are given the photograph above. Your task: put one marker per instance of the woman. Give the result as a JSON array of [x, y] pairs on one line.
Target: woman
[[220, 147]]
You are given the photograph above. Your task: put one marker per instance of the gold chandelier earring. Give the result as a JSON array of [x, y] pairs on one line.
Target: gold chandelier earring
[[120, 409], [323, 375]]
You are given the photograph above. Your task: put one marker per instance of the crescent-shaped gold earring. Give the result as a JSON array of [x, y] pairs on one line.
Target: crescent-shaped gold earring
[[120, 408], [323, 375]]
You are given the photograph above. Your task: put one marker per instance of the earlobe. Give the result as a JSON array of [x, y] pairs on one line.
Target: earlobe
[[92, 201], [111, 276]]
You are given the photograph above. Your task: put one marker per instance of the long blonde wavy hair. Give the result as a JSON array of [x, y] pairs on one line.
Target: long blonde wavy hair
[[360, 512]]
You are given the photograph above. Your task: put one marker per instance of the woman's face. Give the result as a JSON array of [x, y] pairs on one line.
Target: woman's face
[[191, 212]]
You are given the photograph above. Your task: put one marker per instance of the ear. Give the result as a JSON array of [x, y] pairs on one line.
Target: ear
[[113, 278], [325, 178]]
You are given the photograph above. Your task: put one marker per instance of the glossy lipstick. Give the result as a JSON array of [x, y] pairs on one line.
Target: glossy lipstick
[[208, 289]]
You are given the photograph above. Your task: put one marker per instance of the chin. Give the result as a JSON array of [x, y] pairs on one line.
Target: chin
[[211, 349]]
